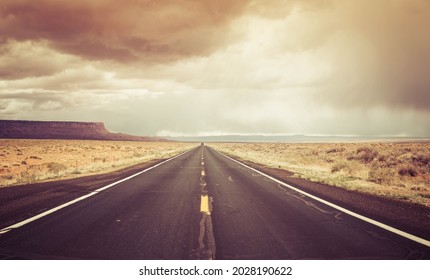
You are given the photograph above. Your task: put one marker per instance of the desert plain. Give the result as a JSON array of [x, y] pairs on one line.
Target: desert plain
[[399, 170], [29, 161]]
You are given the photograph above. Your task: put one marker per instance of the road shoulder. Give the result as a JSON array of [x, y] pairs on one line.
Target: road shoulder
[[22, 202], [409, 217]]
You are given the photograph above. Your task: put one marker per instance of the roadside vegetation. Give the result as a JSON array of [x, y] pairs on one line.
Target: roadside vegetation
[[397, 170], [30, 161]]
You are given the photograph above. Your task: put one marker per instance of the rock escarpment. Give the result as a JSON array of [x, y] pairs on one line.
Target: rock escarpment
[[14, 129]]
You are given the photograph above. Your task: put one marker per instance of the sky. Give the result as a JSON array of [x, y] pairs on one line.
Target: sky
[[197, 67]]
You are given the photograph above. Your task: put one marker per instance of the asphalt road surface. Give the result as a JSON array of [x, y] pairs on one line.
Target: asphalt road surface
[[202, 205]]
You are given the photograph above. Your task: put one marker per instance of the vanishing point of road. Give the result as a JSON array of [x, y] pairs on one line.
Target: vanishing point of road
[[201, 205]]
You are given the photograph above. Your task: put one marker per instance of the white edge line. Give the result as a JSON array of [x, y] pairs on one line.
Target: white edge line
[[344, 210], [50, 211]]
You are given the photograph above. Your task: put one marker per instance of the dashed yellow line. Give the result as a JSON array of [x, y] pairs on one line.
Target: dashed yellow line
[[204, 204]]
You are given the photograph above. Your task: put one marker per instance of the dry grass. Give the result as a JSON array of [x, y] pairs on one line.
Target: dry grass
[[28, 161], [396, 170]]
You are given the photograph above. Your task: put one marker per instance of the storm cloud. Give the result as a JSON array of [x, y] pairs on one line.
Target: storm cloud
[[212, 67], [122, 30]]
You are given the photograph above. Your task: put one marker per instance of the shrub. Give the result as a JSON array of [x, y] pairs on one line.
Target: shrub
[[55, 167], [340, 165], [408, 171], [381, 175], [421, 160], [350, 158], [366, 154], [26, 177], [382, 158], [7, 177], [35, 157], [335, 150]]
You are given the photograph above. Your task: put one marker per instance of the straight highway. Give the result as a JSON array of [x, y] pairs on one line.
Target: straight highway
[[201, 205]]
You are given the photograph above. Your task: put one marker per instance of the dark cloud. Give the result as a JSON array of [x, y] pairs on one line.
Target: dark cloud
[[122, 30]]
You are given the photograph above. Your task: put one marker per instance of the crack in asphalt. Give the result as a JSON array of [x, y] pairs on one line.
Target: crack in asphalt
[[337, 216]]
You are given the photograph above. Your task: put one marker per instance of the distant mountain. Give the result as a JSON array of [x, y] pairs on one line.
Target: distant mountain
[[11, 129], [290, 138]]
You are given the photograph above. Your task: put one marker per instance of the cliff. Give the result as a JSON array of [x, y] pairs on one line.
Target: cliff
[[11, 129]]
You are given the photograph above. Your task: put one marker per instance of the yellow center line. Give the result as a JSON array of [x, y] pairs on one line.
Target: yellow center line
[[204, 204]]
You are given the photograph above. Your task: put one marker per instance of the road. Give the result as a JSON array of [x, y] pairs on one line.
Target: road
[[202, 205]]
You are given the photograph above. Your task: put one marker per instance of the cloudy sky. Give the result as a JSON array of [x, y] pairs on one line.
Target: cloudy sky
[[197, 67]]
